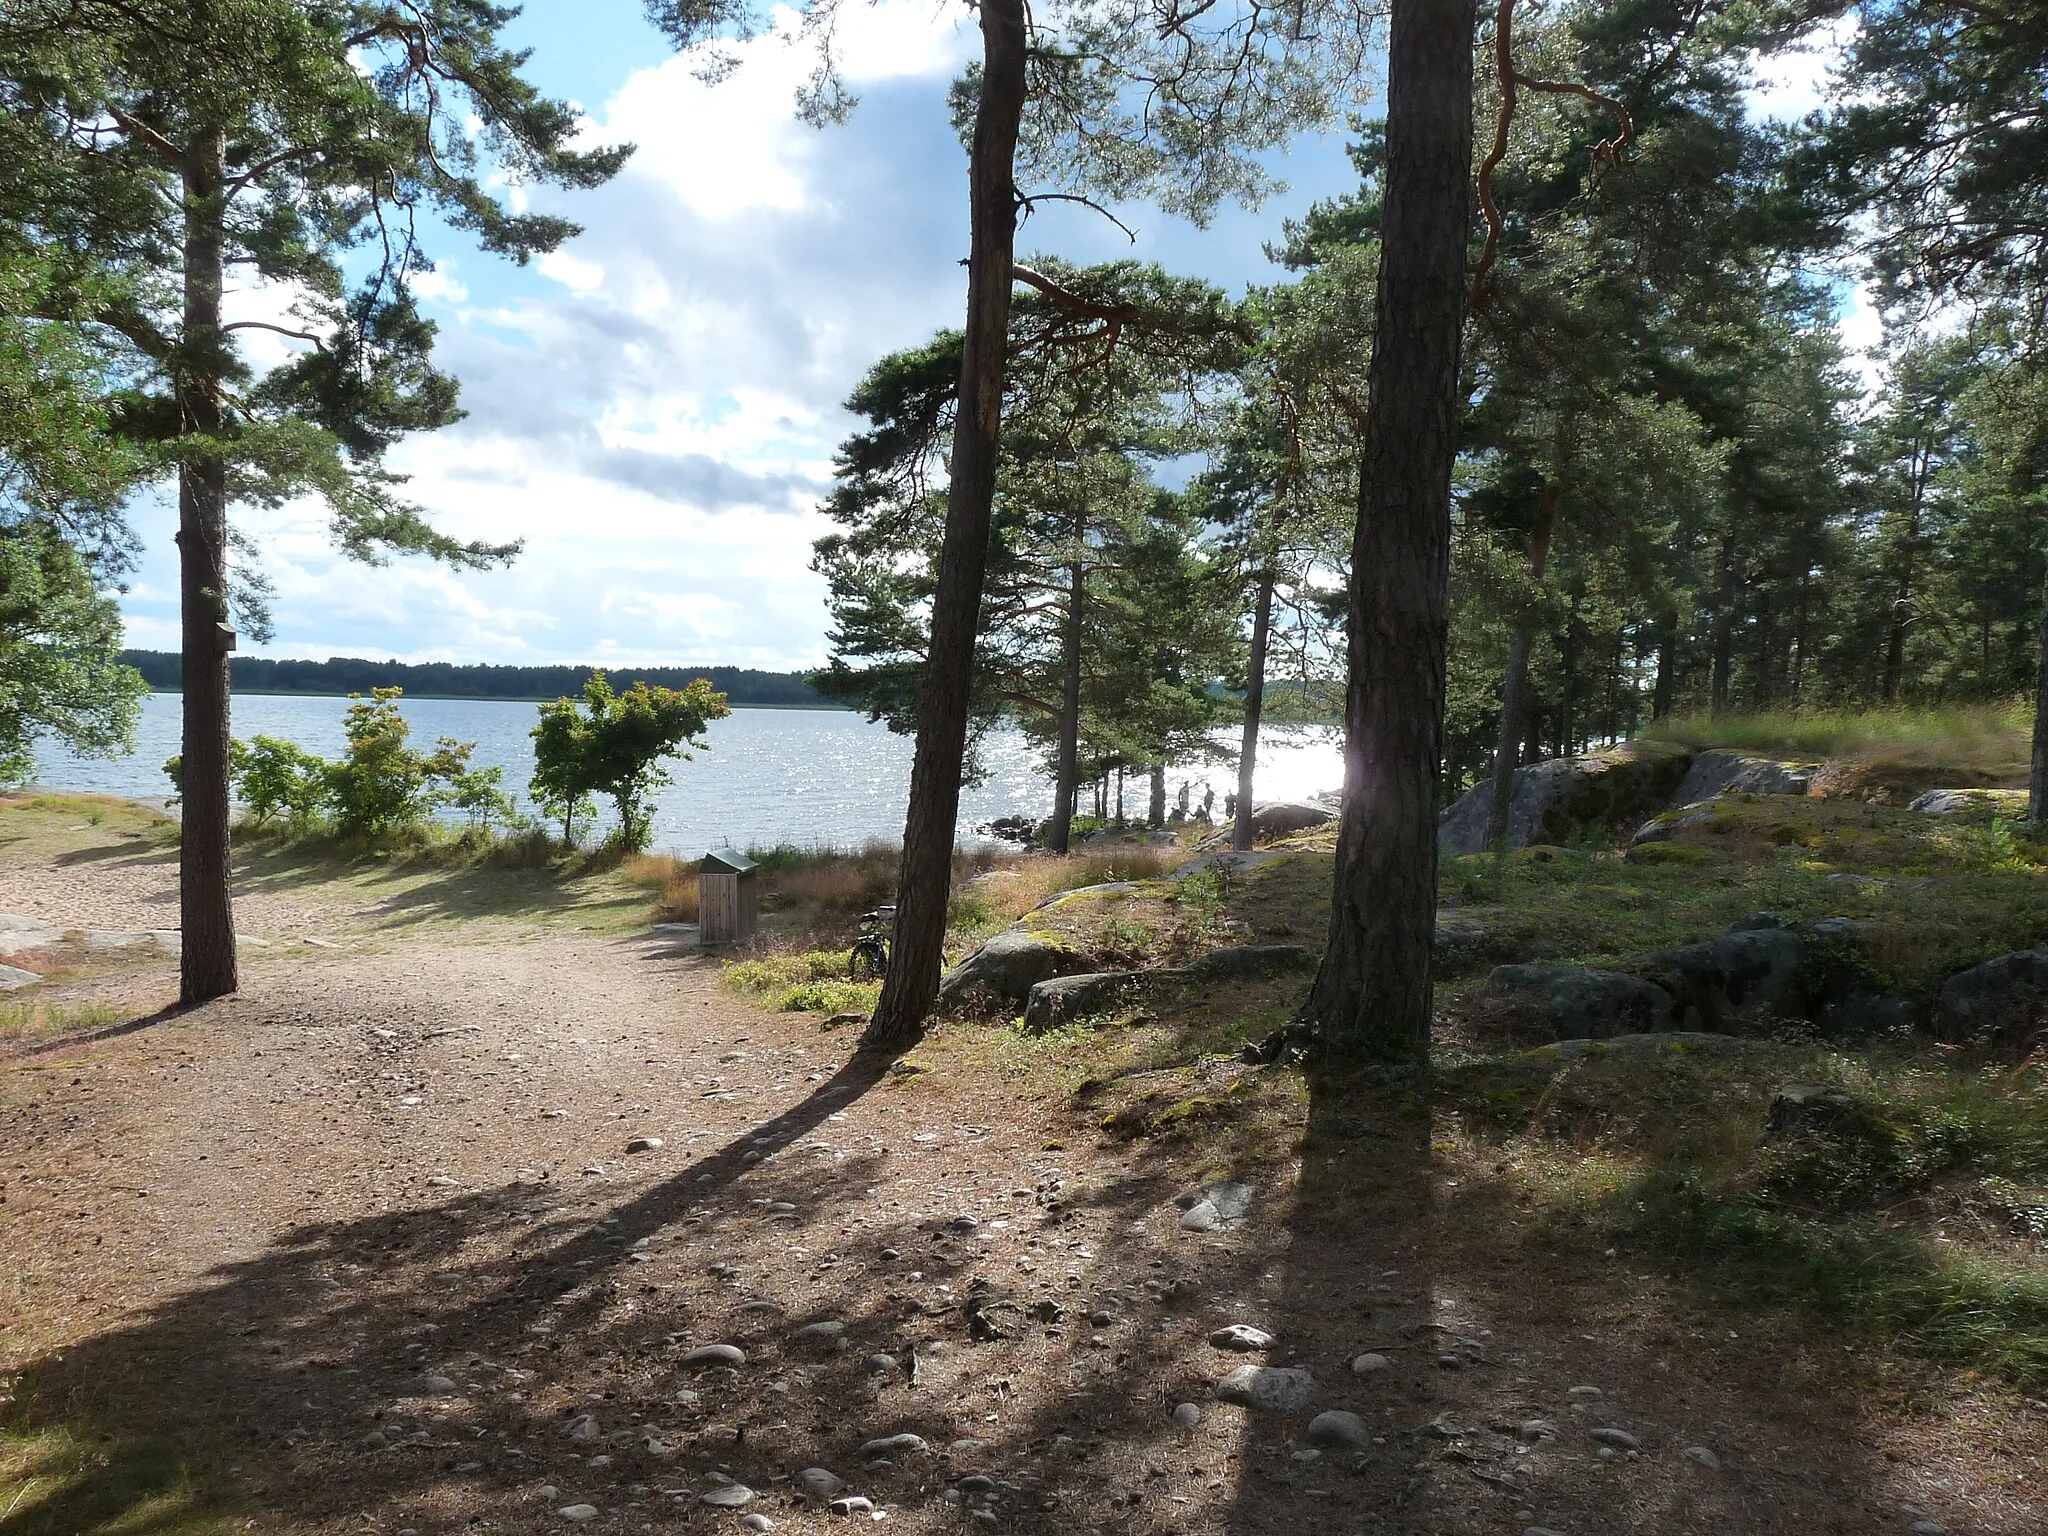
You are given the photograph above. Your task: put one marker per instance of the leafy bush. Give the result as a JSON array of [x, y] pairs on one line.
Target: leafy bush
[[278, 779]]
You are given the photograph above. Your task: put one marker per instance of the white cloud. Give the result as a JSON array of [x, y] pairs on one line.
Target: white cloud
[[653, 410], [1794, 81]]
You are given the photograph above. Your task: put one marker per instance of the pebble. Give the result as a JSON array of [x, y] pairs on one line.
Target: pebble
[[374, 1441], [713, 1354], [1187, 1415], [1243, 1338], [1585, 1394], [1271, 1388], [757, 1523], [598, 1463], [1101, 1319], [1928, 1528], [438, 1386], [818, 1333], [551, 1493], [964, 1223], [976, 1484], [852, 1505], [1450, 1362], [644, 1144], [1337, 1430], [881, 1363], [732, 1496], [442, 1181], [578, 1512], [1620, 1439], [1540, 1530], [892, 1445], [1533, 1430], [1366, 1364], [889, 1255], [1703, 1456], [819, 1483], [583, 1427]]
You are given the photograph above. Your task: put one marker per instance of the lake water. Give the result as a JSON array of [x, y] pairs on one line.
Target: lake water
[[811, 777]]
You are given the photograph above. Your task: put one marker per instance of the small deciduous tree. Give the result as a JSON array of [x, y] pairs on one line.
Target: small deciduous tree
[[60, 641], [614, 744]]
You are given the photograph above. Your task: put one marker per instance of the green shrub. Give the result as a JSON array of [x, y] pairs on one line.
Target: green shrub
[[279, 780]]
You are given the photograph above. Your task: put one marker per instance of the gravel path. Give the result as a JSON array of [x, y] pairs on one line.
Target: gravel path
[[367, 1244]]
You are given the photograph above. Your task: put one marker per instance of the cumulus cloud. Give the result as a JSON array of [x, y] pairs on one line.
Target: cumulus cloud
[[654, 408]]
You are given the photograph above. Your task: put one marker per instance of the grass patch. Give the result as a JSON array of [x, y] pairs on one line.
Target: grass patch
[[38, 1019], [1914, 1210], [1990, 738], [807, 981], [56, 1483]]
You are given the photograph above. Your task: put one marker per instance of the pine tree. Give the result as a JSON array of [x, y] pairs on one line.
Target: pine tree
[[176, 141]]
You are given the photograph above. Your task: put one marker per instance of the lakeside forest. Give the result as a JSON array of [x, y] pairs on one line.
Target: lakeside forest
[[1628, 1111]]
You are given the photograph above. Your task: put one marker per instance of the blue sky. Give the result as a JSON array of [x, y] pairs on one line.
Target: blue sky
[[654, 408]]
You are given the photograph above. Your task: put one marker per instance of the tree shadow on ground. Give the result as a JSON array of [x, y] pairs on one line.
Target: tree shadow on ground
[[429, 1368]]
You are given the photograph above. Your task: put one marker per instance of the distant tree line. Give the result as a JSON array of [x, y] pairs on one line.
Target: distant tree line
[[441, 679]]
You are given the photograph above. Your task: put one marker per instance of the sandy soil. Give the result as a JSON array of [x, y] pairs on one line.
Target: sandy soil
[[366, 1244]]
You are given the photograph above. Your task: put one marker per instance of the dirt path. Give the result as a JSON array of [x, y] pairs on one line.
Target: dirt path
[[364, 1249]]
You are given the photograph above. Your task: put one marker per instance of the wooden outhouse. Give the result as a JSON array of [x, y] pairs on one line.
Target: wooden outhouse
[[727, 904]]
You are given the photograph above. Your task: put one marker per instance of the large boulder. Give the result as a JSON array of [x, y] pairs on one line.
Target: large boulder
[[1009, 965], [1721, 772], [1051, 1003], [1587, 1005], [1746, 976], [2001, 1004], [1278, 820], [1554, 801]]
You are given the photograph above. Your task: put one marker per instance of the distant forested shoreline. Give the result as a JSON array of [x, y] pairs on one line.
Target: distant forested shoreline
[[742, 686]]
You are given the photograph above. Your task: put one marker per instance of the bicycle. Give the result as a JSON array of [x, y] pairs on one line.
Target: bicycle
[[870, 958]]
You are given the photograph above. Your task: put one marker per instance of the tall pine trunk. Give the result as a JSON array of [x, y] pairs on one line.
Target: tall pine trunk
[[925, 880], [1724, 628], [1665, 691], [1254, 707], [1068, 776], [1155, 809], [1372, 995], [2037, 786], [206, 965], [1514, 693]]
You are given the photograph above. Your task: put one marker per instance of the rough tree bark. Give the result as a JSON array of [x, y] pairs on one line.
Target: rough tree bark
[[1254, 707], [1372, 995], [206, 965], [1514, 695], [1155, 810], [1666, 690], [925, 878], [2037, 785], [1068, 777]]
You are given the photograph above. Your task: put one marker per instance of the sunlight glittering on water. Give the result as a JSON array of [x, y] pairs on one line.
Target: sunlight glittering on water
[[803, 776]]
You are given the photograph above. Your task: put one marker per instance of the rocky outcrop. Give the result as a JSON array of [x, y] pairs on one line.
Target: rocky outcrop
[[1556, 800], [1746, 976], [2001, 1005], [1587, 1005], [1721, 772], [1052, 1002], [1009, 965], [1250, 960], [1946, 802]]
